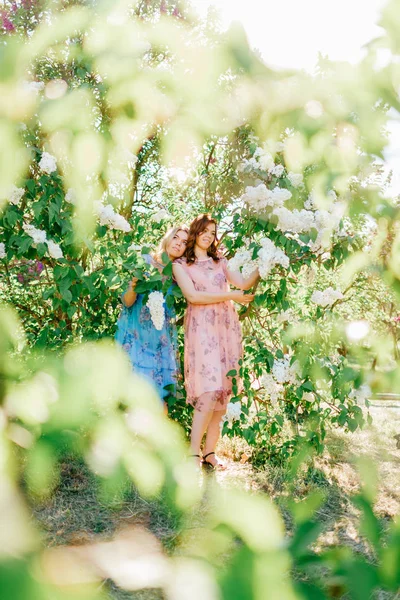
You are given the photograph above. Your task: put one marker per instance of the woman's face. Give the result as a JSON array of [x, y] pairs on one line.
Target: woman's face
[[177, 245], [206, 237]]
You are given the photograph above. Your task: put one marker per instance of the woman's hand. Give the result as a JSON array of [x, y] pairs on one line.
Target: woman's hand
[[132, 284], [129, 298], [242, 298]]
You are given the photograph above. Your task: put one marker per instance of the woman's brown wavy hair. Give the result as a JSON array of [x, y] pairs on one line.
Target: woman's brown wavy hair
[[197, 226]]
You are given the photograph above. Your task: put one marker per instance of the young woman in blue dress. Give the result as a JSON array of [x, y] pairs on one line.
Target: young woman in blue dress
[[152, 352]]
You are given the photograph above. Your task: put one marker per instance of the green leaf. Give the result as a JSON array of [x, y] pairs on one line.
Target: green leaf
[[66, 295], [167, 270], [231, 373], [308, 385], [41, 250], [362, 579], [304, 536]]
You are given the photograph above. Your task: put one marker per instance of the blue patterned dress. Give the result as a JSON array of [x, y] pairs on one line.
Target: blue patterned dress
[[153, 352]]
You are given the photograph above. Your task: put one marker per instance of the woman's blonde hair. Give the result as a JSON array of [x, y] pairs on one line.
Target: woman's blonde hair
[[165, 241]]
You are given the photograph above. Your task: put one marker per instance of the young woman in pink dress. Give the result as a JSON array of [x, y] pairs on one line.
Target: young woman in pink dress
[[213, 339]]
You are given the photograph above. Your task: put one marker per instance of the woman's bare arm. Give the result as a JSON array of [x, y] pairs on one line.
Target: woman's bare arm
[[195, 297]]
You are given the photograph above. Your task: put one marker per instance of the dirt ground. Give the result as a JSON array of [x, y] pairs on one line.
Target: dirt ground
[[75, 516]]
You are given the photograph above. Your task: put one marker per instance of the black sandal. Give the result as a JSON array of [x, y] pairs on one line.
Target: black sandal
[[219, 466]]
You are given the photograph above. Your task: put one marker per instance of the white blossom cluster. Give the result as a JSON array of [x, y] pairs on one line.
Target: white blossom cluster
[[361, 394], [108, 216], [48, 163], [70, 196], [15, 195], [304, 220], [233, 412], [54, 249], [326, 297], [160, 216], [261, 200], [267, 257], [277, 170], [263, 159], [287, 316], [295, 221], [2, 250], [155, 303], [326, 222], [243, 260], [134, 248], [272, 388], [296, 179], [40, 237], [284, 372], [259, 197]]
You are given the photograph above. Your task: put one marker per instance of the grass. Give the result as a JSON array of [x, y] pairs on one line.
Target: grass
[[75, 516]]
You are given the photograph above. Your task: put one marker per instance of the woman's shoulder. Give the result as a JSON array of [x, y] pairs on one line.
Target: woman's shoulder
[[180, 261]]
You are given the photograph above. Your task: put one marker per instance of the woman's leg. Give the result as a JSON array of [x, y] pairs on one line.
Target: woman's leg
[[199, 426], [213, 433]]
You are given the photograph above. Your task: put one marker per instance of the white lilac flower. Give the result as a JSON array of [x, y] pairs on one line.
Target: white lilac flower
[[241, 258], [119, 222], [361, 394], [134, 248], [259, 197], [48, 163], [280, 195], [284, 372], [160, 216], [106, 213], [38, 235], [70, 196], [155, 303], [272, 388], [265, 159], [309, 204], [2, 250], [233, 412], [285, 316], [54, 249], [269, 256], [248, 164], [249, 268], [277, 170], [107, 216], [295, 221], [296, 179], [326, 297], [15, 195]]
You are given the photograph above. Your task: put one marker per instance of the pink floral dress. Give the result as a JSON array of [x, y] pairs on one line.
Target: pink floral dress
[[213, 339]]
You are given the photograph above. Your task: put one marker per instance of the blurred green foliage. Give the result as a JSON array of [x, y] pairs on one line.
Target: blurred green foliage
[[144, 107]]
